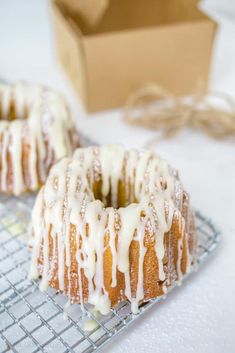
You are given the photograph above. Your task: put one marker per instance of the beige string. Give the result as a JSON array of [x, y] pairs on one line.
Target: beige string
[[155, 108]]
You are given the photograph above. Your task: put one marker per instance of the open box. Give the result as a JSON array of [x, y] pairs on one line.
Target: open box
[[135, 42]]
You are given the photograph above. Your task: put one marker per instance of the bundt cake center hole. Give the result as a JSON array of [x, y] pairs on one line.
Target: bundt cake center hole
[[10, 113], [117, 197]]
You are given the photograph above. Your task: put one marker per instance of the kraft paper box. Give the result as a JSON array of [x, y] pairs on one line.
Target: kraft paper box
[[133, 42]]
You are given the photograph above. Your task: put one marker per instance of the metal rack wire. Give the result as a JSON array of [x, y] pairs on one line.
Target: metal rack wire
[[32, 321]]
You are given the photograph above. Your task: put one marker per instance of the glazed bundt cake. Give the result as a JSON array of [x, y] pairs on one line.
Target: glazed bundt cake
[[36, 130], [111, 225]]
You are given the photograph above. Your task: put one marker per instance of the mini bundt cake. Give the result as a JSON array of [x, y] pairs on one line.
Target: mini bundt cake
[[111, 225], [36, 130]]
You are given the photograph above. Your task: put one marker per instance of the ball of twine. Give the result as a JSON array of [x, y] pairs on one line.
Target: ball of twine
[[155, 108]]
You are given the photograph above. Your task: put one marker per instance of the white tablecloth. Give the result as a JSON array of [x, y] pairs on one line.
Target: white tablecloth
[[200, 315]]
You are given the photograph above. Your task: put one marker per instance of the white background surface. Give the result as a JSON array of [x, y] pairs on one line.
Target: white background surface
[[200, 315]]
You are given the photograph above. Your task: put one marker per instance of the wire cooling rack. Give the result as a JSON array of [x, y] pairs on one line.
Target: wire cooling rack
[[32, 321]]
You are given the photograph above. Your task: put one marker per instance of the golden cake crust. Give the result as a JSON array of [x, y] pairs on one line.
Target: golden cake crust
[[153, 287]]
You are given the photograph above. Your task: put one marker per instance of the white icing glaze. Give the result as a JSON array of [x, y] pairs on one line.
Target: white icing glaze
[[89, 325], [67, 199], [43, 124], [66, 308]]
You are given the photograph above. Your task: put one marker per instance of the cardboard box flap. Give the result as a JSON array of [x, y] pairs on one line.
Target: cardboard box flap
[[90, 11], [133, 14]]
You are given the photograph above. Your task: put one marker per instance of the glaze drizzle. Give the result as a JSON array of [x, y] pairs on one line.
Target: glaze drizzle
[[154, 198]]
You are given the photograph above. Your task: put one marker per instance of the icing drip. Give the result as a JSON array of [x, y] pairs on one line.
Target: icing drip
[[153, 196], [36, 125], [112, 241], [89, 325], [66, 308]]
